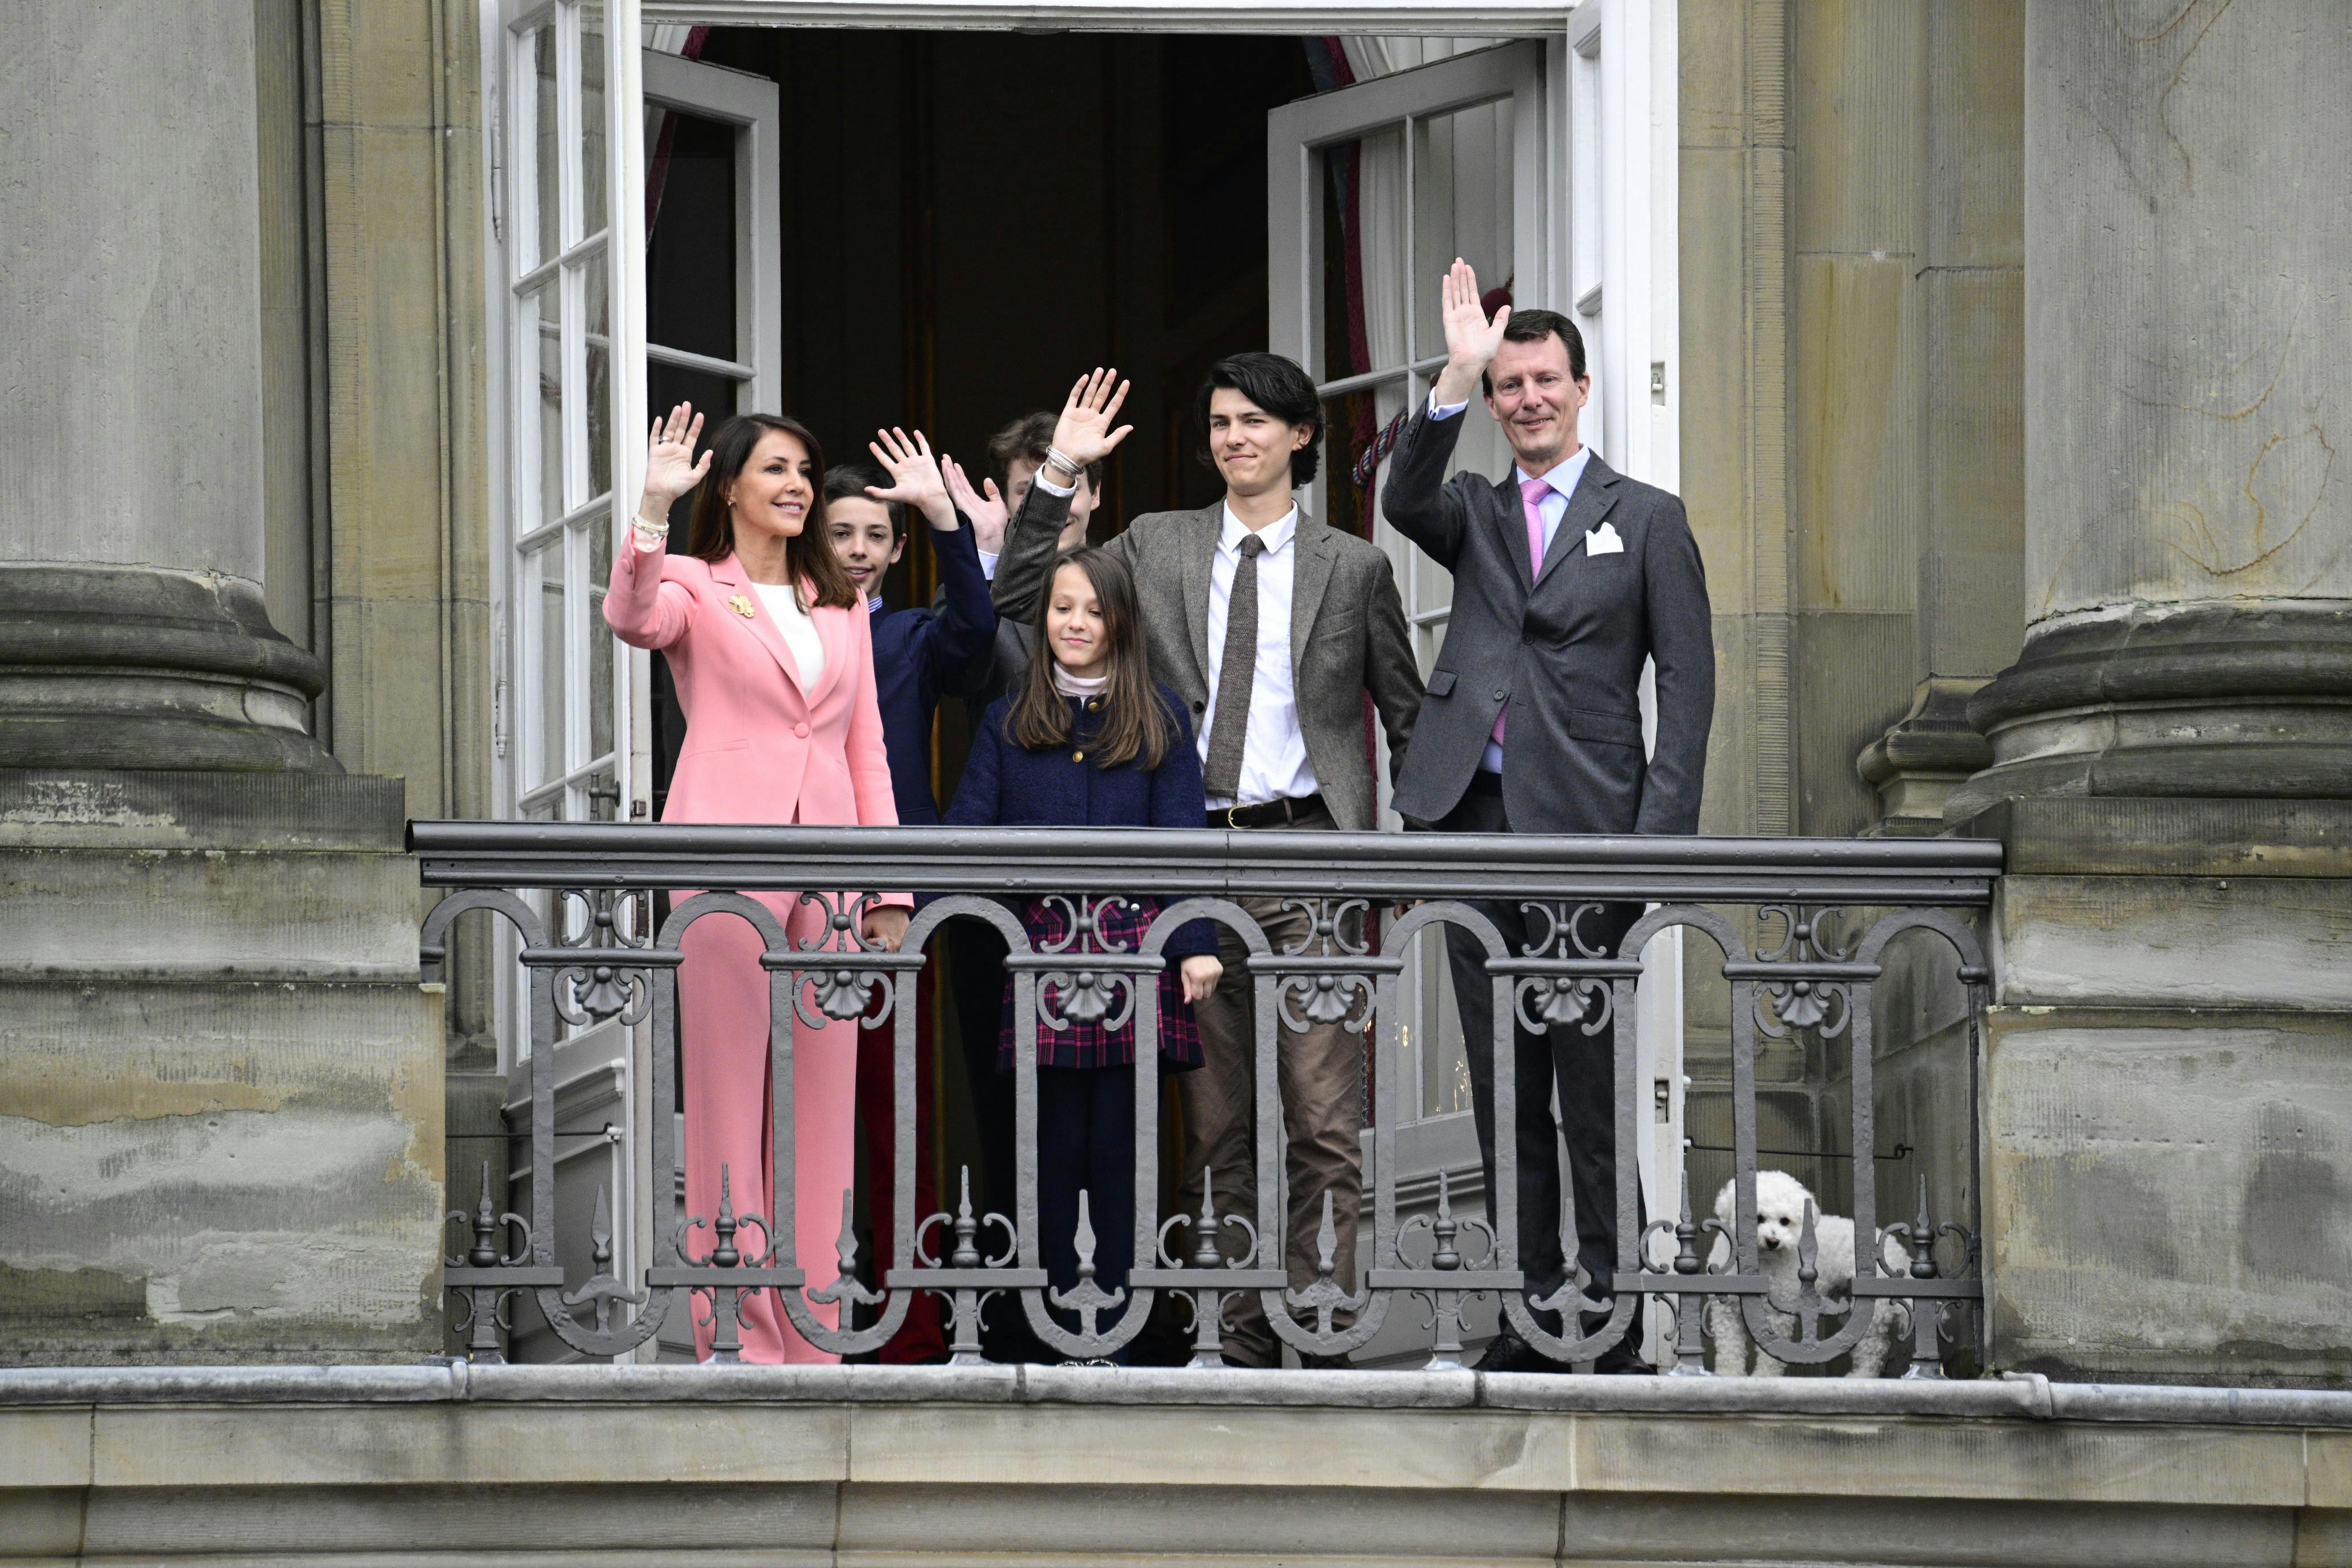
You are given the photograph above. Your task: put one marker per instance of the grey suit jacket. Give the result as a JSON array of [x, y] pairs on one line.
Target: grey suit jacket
[[1348, 633], [1564, 648]]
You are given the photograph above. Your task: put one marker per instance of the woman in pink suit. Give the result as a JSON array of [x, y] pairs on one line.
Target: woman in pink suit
[[768, 643]]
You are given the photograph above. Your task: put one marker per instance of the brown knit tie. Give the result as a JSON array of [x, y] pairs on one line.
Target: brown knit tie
[[1223, 778]]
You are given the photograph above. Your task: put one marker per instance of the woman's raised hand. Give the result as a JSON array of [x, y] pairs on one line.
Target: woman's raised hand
[[915, 476], [1084, 433], [989, 513], [671, 469]]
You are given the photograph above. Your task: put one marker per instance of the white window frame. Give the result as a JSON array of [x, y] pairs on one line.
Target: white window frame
[[749, 104], [1624, 201]]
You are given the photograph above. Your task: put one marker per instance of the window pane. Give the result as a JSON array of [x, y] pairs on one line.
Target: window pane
[[600, 636], [690, 203], [717, 398], [592, 119], [546, 145], [600, 377], [1364, 255], [540, 315], [1461, 206], [546, 570]]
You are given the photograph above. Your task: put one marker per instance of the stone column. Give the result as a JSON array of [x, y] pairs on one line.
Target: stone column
[[2189, 396], [2168, 1066], [133, 633], [220, 1082]]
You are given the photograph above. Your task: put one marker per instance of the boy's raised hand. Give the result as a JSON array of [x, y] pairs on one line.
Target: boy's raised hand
[[915, 475]]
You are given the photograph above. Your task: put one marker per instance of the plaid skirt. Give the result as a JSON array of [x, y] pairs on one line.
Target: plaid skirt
[[1090, 1045]]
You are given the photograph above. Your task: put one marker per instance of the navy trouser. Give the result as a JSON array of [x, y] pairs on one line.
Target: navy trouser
[[1085, 1139]]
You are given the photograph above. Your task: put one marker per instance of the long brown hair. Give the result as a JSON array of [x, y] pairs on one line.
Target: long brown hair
[[808, 555], [1135, 721]]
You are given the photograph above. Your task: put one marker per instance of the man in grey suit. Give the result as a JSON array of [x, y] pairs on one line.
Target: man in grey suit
[[1273, 628], [1567, 576]]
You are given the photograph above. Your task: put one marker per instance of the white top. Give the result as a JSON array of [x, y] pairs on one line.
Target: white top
[[1070, 685], [1563, 477], [1274, 750], [779, 603]]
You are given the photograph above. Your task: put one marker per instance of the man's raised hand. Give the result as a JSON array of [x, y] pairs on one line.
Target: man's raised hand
[[989, 513], [916, 480], [671, 469], [1084, 433], [1471, 338]]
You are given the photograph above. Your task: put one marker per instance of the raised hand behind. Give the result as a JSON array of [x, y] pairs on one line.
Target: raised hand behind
[[989, 514]]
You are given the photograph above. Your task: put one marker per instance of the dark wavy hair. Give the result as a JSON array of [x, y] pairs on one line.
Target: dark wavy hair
[[1533, 326], [808, 555], [1135, 724], [1278, 386]]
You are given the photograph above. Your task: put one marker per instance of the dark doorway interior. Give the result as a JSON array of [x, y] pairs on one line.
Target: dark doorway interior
[[971, 220]]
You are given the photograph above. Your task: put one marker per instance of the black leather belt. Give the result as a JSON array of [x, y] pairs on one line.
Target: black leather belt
[[1268, 813]]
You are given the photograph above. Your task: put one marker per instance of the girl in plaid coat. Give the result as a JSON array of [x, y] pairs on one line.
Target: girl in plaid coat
[[1086, 739]]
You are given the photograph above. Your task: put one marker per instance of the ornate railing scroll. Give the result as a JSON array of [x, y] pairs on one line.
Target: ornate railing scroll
[[1803, 927]]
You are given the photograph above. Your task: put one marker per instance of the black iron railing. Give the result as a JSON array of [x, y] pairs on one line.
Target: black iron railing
[[580, 900]]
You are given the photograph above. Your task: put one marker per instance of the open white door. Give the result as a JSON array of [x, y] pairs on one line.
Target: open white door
[[569, 244], [1501, 155]]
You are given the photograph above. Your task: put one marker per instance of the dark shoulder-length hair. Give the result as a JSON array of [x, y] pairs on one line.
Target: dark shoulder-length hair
[[1135, 722], [808, 555]]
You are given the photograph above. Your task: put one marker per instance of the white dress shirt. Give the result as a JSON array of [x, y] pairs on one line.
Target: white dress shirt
[[1563, 477], [1274, 750]]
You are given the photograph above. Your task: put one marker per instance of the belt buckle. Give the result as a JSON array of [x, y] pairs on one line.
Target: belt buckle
[[1233, 821]]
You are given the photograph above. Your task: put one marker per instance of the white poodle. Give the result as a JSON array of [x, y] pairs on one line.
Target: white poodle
[[1781, 1204]]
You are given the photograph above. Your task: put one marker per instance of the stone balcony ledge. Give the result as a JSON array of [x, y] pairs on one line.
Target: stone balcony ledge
[[369, 1465]]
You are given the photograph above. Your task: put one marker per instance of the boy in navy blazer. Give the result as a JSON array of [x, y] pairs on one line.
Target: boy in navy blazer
[[918, 653]]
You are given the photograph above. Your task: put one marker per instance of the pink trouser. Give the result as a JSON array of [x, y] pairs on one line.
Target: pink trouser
[[723, 997]]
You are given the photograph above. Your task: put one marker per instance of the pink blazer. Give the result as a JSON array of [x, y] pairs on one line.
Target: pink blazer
[[758, 747]]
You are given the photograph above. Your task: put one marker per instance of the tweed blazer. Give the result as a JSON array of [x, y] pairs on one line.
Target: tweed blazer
[[1348, 633], [1564, 647]]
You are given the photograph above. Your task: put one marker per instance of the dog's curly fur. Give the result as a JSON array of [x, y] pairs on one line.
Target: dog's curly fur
[[1781, 1204]]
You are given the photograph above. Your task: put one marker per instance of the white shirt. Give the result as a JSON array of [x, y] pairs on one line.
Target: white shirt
[[800, 632], [1563, 477], [1274, 750], [1070, 685]]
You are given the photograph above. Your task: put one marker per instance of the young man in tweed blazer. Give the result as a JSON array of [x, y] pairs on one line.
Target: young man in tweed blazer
[[1314, 625]]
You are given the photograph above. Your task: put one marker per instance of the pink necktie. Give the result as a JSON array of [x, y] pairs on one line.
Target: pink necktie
[[1531, 495]]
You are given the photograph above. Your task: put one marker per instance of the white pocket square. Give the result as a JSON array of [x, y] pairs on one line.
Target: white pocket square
[[1603, 541]]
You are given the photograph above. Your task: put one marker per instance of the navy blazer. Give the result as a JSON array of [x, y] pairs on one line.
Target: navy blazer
[[1007, 785], [918, 655]]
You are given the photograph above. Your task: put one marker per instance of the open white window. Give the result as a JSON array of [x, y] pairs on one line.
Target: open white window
[[564, 248], [1536, 163], [1372, 190]]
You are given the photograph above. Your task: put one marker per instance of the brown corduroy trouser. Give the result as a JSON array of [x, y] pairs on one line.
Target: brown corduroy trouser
[[1319, 1076]]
